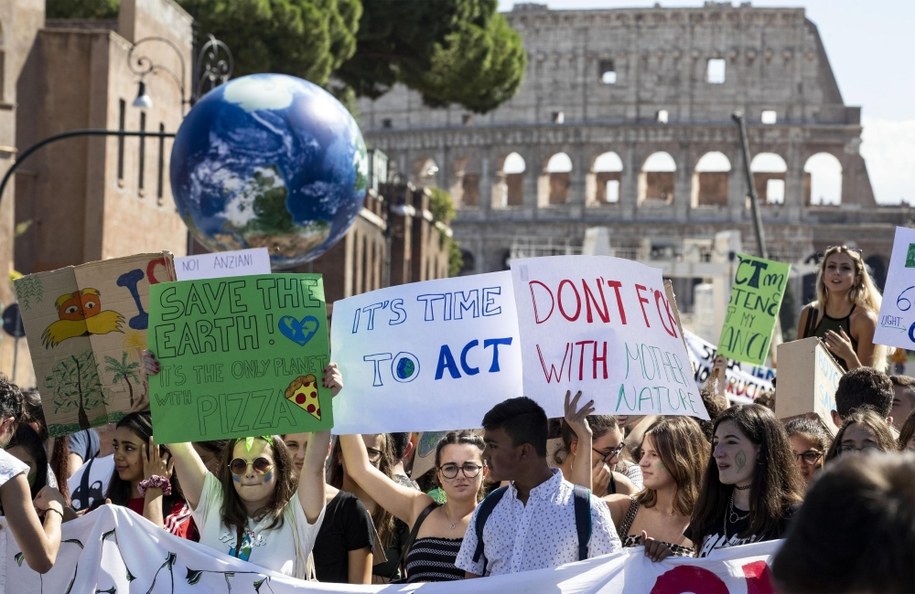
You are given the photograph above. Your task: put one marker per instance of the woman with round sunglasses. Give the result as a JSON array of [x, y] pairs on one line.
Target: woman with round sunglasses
[[809, 441], [751, 486], [459, 471], [844, 314], [863, 431], [674, 452], [255, 509]]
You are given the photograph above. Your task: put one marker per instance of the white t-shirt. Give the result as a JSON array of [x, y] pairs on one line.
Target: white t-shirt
[[10, 467], [284, 549]]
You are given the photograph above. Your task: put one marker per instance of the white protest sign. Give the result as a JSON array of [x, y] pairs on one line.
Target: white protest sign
[[744, 382], [221, 264], [427, 356], [896, 321], [602, 325]]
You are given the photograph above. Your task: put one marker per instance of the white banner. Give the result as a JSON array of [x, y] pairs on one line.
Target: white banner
[[427, 356], [221, 264], [896, 321], [114, 550], [602, 325], [744, 381]]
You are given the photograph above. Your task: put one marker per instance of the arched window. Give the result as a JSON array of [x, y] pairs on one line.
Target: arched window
[[656, 179], [822, 180], [604, 181], [769, 171], [710, 180], [510, 187], [557, 176], [465, 185]]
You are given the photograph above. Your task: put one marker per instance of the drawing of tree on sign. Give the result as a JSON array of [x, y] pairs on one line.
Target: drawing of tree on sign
[[74, 381], [123, 370], [28, 288]]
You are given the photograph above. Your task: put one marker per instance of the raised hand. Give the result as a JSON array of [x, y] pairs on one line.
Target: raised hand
[[156, 464], [333, 379], [577, 417]]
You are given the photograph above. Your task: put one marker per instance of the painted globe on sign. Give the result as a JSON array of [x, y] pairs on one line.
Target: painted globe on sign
[[269, 160]]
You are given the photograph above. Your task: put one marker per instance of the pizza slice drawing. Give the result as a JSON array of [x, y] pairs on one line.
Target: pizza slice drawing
[[303, 392]]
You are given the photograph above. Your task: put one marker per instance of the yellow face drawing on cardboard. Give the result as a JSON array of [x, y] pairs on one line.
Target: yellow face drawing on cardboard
[[80, 314]]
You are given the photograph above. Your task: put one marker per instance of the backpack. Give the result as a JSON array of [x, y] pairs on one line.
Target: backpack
[[582, 497]]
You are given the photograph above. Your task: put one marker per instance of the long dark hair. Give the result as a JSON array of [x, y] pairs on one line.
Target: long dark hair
[[119, 490], [776, 485], [382, 518], [234, 513], [60, 451], [869, 418], [29, 440]]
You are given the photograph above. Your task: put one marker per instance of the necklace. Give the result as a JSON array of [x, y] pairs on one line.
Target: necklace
[[733, 516], [454, 523]]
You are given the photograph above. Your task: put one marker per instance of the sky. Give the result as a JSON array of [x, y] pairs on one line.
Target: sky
[[871, 48]]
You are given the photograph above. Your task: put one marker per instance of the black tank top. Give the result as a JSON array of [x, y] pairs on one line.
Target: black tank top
[[837, 325]]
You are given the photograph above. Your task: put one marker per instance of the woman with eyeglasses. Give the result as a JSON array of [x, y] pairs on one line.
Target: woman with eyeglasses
[[751, 486], [844, 314], [255, 509], [863, 431], [674, 453], [439, 529], [809, 441], [604, 455]]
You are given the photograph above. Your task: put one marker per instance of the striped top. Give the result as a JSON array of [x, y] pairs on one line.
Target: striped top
[[431, 559]]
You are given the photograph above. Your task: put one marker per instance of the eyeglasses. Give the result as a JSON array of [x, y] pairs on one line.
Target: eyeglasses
[[239, 466], [810, 457], [609, 454], [450, 471]]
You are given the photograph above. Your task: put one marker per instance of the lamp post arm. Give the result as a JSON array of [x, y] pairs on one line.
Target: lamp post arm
[[70, 134]]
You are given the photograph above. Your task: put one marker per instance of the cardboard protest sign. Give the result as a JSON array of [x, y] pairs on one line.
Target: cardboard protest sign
[[807, 380], [605, 326], [86, 326], [239, 356], [427, 356], [756, 296], [743, 382], [896, 321], [222, 264]]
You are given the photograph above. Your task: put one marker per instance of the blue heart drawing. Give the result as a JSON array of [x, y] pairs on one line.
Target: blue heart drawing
[[298, 331]]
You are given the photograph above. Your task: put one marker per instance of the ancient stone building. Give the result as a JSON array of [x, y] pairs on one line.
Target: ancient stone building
[[624, 123]]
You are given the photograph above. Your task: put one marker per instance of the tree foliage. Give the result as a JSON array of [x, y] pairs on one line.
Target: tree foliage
[[81, 9]]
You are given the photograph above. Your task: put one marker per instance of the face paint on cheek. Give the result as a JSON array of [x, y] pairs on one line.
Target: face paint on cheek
[[268, 476], [236, 478], [741, 460]]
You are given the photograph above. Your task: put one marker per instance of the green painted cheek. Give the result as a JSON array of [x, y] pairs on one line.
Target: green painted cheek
[[741, 460]]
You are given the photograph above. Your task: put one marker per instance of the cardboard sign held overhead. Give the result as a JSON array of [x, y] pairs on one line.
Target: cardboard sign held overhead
[[239, 356], [86, 326], [807, 380]]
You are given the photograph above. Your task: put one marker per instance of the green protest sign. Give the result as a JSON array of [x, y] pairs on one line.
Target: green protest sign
[[756, 297], [239, 356]]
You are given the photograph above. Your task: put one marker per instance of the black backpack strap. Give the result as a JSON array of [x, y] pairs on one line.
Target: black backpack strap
[[409, 542], [483, 511], [582, 497]]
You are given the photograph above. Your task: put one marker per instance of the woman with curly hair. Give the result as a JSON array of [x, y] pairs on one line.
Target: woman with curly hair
[[751, 486], [809, 442], [674, 453], [844, 314]]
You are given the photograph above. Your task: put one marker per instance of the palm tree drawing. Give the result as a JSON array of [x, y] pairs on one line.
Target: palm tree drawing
[[74, 381], [122, 370]]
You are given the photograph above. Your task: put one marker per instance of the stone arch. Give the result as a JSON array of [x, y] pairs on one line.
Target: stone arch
[[710, 180], [425, 171], [508, 190], [604, 180], [769, 170], [555, 179], [656, 179], [464, 185], [822, 180]]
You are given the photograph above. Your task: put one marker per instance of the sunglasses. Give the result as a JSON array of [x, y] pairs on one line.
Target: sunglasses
[[844, 248], [239, 466]]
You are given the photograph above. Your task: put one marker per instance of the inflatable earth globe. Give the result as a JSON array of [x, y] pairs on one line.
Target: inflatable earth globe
[[269, 160]]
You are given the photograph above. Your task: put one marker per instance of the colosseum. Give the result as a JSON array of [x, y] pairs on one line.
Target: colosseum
[[622, 140]]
